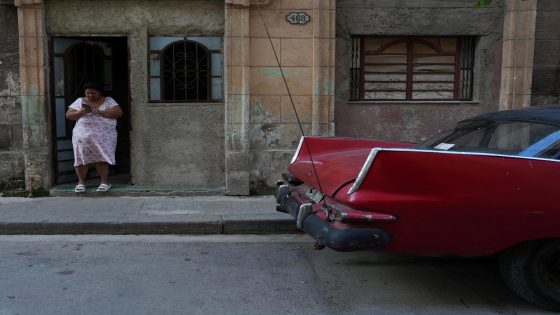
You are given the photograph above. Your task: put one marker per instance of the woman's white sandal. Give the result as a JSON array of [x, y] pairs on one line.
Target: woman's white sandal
[[104, 187], [80, 188]]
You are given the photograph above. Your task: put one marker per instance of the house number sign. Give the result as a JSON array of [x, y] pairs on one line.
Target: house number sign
[[298, 18]]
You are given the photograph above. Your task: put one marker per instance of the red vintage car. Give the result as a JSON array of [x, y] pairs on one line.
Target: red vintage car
[[483, 188]]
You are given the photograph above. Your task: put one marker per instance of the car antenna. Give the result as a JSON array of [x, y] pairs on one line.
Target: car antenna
[[291, 100]]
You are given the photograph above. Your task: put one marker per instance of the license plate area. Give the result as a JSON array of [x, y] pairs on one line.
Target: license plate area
[[314, 195]]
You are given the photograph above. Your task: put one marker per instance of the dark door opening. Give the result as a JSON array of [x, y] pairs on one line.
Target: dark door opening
[[75, 60]]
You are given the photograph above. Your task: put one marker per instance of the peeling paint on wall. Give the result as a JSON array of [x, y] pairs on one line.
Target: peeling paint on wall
[[270, 135], [328, 87], [12, 166], [260, 113], [10, 85]]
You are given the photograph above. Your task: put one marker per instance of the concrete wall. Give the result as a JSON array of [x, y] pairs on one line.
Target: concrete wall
[[546, 68], [11, 143], [415, 121], [171, 144]]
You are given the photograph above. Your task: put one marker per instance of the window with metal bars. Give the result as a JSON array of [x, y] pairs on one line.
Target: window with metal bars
[[186, 69], [412, 68]]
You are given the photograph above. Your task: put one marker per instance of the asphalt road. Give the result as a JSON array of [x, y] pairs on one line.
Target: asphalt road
[[274, 274]]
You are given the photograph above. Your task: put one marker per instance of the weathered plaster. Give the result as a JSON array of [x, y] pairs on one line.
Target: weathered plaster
[[32, 66], [12, 169], [236, 84], [167, 17], [413, 122], [546, 68], [518, 53], [261, 128]]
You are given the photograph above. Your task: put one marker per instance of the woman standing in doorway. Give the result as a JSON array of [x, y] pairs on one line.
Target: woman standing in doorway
[[94, 137]]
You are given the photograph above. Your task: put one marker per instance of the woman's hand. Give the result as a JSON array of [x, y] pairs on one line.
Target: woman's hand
[[83, 111], [86, 107], [102, 113]]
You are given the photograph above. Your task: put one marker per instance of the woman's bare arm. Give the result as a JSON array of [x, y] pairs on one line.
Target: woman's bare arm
[[113, 112], [73, 114]]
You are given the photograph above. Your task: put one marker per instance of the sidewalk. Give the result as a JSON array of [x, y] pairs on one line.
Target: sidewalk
[[143, 215]]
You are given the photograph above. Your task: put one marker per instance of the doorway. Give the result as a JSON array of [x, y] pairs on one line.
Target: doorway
[[75, 60]]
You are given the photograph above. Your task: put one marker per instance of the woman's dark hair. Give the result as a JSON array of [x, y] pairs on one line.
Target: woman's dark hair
[[94, 86]]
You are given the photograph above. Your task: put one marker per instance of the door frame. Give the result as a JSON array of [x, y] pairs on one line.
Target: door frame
[[125, 97]]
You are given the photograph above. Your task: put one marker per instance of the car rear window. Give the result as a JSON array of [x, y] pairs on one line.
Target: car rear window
[[519, 138]]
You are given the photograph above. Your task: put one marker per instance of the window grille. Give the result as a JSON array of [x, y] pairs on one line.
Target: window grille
[[186, 69], [467, 66], [355, 70], [184, 72], [412, 68]]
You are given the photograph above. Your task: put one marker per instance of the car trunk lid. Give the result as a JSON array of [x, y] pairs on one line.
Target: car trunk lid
[[336, 161]]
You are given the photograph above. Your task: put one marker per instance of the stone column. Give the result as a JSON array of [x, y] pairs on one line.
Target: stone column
[[518, 52], [237, 74], [32, 45], [324, 23], [261, 127]]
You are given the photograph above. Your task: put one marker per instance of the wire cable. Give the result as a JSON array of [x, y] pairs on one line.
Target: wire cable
[[291, 100]]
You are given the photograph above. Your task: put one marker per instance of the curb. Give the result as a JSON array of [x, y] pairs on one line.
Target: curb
[[224, 226]]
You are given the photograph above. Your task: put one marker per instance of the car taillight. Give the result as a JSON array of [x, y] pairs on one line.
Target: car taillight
[[336, 214]]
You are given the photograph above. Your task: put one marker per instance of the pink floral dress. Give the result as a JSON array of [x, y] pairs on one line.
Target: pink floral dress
[[94, 137]]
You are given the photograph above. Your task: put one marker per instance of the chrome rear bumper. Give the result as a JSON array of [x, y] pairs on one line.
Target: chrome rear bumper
[[340, 239]]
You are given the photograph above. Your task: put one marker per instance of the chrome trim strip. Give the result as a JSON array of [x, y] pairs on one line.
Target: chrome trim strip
[[364, 170], [471, 153], [297, 150], [373, 153]]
